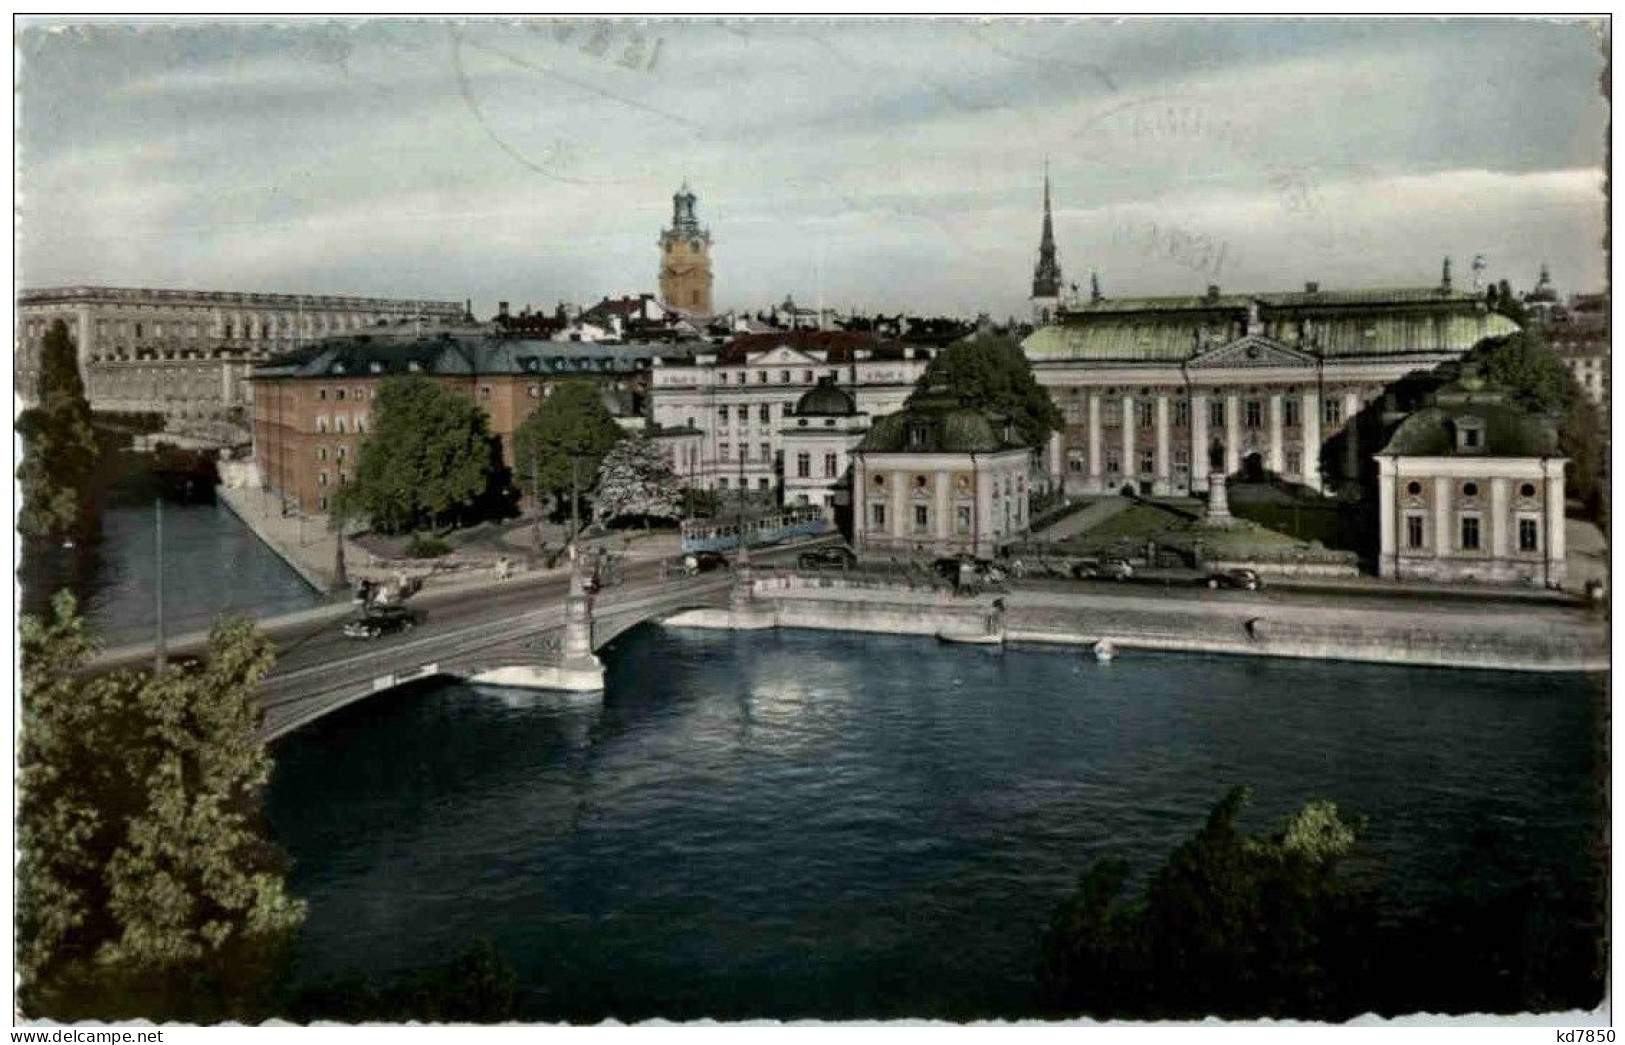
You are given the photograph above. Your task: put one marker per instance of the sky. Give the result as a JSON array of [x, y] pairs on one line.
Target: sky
[[892, 165]]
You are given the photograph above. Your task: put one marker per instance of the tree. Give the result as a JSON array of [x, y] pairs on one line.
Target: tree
[[429, 458], [146, 885], [992, 373], [1540, 383], [634, 478], [572, 423], [59, 446], [1231, 925]]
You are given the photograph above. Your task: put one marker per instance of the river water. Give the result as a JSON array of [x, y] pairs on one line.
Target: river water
[[805, 824]]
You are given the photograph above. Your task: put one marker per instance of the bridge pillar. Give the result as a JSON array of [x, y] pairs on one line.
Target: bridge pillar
[[745, 611], [578, 669]]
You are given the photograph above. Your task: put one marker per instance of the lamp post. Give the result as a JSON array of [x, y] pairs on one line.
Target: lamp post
[[340, 578], [158, 652]]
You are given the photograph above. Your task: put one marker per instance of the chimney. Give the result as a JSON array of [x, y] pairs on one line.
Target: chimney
[[1311, 288]]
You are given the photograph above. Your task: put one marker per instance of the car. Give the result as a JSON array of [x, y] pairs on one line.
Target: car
[[379, 621], [831, 556], [1111, 568], [1246, 580], [704, 562]]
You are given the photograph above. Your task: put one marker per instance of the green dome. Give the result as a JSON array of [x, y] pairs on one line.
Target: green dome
[[826, 399]]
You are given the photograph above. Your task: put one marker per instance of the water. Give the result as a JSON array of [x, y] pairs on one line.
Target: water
[[788, 824], [213, 563]]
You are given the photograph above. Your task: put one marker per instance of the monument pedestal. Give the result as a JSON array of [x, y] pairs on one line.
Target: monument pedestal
[[1218, 503]]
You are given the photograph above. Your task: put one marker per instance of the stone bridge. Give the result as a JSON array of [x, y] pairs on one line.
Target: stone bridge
[[291, 698]]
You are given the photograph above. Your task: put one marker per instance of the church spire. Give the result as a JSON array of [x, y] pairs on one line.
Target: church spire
[[1047, 273]]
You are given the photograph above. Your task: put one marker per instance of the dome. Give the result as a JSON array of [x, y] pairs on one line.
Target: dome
[[826, 399]]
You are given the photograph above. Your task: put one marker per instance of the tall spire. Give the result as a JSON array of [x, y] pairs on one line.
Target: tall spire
[[1047, 273]]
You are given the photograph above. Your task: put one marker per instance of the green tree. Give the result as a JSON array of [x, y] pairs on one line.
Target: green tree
[[635, 479], [992, 373], [59, 445], [146, 885], [428, 459], [1540, 383], [1231, 925], [572, 423]]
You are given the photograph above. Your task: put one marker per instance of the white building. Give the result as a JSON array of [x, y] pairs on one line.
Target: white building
[[819, 436], [741, 396]]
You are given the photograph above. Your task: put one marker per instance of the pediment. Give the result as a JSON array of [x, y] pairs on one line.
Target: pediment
[[783, 355], [1253, 350]]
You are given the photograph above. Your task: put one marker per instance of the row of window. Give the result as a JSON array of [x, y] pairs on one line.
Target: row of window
[[785, 376], [338, 423], [1470, 533], [1470, 489], [761, 484], [1252, 412], [804, 465]]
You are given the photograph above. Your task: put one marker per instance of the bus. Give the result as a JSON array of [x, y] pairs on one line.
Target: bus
[[770, 527]]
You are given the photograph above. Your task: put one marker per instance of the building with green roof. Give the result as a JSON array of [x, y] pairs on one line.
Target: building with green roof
[[1470, 488], [1156, 392]]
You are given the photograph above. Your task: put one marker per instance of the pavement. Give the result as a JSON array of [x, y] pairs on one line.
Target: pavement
[[1091, 516]]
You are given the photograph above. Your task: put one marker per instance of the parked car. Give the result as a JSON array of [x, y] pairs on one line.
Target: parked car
[[1116, 569], [379, 621], [1246, 580], [704, 562], [831, 557]]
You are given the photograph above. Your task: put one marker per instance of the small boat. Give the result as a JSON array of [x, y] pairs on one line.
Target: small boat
[[972, 638], [1105, 651]]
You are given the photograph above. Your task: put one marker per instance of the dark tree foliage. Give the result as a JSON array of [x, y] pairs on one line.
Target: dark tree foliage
[[429, 459], [572, 423], [1540, 383], [59, 446], [146, 885], [992, 373], [476, 986], [1295, 925]]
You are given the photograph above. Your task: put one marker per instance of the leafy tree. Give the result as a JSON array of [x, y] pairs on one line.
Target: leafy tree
[[1231, 925], [59, 446], [571, 423], [992, 373], [1540, 383], [428, 459], [635, 479], [146, 886]]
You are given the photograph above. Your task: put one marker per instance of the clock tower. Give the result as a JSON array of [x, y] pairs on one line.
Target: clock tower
[[685, 259]]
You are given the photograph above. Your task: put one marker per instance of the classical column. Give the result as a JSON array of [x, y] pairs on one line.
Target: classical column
[[1277, 456], [1444, 541], [941, 524], [1556, 538], [1164, 463], [1232, 433], [1057, 469], [1388, 561], [1351, 444], [1095, 474], [1130, 470], [1199, 441], [1311, 440], [1500, 518]]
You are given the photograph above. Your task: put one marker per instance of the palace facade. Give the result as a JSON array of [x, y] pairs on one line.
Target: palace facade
[[1157, 392], [187, 354], [741, 395]]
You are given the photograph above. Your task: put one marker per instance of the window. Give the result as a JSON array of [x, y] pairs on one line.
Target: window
[[803, 465], [724, 450], [359, 393], [360, 423], [1469, 533], [1112, 467], [962, 518], [1413, 488], [1414, 534], [1144, 411], [321, 393], [321, 423], [338, 423], [1215, 413], [321, 480], [1527, 490], [338, 394], [877, 514], [922, 516], [1529, 535], [1289, 412], [485, 392], [322, 503], [1111, 411], [1469, 490], [761, 377], [1252, 413], [1148, 462], [742, 413], [535, 392], [767, 452], [342, 453], [784, 377], [722, 483], [806, 377], [761, 484], [722, 414], [764, 413], [916, 435], [1294, 462], [1331, 410], [785, 408], [1182, 412], [1074, 460], [321, 453], [831, 464]]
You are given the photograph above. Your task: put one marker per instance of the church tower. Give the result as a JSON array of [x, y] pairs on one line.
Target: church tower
[[685, 259], [1046, 297]]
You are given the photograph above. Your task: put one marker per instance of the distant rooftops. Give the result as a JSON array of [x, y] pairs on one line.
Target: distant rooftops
[[461, 356]]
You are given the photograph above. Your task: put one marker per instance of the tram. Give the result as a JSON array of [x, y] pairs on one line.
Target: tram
[[770, 527]]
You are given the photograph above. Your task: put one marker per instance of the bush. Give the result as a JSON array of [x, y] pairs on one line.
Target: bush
[[426, 548]]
